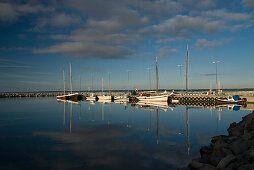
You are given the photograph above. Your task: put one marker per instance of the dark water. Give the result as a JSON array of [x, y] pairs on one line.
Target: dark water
[[41, 133]]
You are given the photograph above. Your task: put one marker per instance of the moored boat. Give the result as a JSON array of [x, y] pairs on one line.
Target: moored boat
[[104, 97], [121, 98], [157, 98], [230, 100], [92, 97]]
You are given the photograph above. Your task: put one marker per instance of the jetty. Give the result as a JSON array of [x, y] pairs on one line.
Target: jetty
[[234, 151]]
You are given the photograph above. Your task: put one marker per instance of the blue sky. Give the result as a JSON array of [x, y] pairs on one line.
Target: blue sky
[[39, 39]]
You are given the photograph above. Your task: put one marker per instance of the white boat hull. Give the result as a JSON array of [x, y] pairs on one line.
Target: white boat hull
[[121, 99], [91, 98], [104, 97], [153, 98]]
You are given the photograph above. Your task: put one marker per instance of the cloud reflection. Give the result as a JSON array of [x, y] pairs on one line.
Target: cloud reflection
[[113, 147]]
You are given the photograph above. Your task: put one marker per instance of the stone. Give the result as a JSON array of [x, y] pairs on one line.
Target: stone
[[219, 144], [246, 135], [239, 146], [205, 150], [226, 151], [214, 160], [232, 166], [216, 138], [207, 167], [237, 131], [246, 167], [235, 151], [195, 165], [225, 161]]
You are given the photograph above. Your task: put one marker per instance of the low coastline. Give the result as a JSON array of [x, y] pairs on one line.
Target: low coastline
[[235, 151]]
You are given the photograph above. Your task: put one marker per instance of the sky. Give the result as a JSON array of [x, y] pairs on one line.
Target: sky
[[109, 38]]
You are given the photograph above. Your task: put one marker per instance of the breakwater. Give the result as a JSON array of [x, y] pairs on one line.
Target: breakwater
[[193, 100], [9, 95], [235, 151]]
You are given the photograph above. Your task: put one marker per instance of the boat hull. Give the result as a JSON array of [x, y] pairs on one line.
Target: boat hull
[[220, 102], [153, 98], [91, 98], [74, 96], [104, 97]]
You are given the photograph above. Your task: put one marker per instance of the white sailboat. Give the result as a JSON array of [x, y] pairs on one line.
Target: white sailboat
[[92, 97], [124, 98], [154, 98], [104, 97], [62, 97]]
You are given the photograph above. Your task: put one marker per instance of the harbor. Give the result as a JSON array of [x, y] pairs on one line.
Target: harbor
[[144, 84]]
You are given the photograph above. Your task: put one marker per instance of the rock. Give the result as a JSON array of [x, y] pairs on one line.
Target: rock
[[232, 125], [233, 165], [250, 152], [214, 160], [205, 150], [207, 167], [239, 146], [219, 144], [225, 161], [235, 151], [216, 138], [236, 131], [226, 151], [195, 165], [246, 167], [249, 117], [246, 135], [249, 126]]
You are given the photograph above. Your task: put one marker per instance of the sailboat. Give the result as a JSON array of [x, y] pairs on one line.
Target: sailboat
[[70, 96], [155, 98], [104, 97], [62, 97], [92, 96]]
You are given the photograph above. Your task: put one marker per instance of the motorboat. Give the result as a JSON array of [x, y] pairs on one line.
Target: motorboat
[[230, 100]]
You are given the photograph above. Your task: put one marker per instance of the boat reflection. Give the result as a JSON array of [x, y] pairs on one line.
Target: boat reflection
[[68, 101], [153, 105]]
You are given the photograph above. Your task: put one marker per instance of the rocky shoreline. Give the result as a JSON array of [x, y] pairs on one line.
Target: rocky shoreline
[[235, 151]]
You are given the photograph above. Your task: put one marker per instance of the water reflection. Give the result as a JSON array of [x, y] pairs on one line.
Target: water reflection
[[103, 135]]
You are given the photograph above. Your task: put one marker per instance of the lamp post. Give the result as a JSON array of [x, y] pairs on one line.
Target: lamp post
[[216, 63]]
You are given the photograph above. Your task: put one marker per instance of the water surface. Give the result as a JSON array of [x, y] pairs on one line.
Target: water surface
[[41, 133]]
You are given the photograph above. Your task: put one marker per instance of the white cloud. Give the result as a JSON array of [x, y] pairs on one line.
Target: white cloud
[[204, 44], [248, 3], [12, 11], [87, 50], [231, 16], [165, 51]]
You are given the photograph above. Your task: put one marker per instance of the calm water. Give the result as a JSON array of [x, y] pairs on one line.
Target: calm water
[[41, 133]]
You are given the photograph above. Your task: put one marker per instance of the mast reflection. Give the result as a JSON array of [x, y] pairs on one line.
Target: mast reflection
[[187, 130]]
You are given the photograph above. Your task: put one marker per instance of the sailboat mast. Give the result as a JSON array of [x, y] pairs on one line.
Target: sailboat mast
[[157, 89], [63, 82], [102, 84], [109, 83], [70, 79], [187, 68]]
